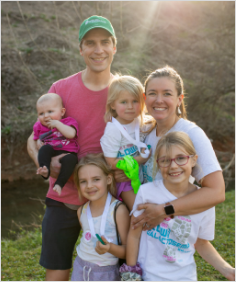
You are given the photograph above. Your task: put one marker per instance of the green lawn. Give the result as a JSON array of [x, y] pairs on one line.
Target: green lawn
[[20, 258]]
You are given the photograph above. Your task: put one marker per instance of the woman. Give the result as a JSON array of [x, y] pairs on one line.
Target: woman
[[164, 93]]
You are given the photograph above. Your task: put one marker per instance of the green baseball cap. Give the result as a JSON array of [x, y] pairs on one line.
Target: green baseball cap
[[95, 22]]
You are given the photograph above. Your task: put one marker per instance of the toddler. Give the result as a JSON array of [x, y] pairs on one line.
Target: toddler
[[122, 136], [59, 135]]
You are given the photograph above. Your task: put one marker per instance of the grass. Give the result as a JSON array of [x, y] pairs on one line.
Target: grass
[[20, 258]]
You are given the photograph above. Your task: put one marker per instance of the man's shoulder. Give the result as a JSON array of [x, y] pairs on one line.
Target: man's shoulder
[[67, 79]]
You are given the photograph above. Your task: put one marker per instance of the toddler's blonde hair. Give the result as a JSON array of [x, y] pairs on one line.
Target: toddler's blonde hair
[[99, 161], [123, 83]]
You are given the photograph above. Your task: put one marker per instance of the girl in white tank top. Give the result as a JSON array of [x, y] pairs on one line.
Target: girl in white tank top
[[97, 261]]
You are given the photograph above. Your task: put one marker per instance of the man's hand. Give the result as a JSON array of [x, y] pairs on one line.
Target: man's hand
[[102, 249], [55, 166], [152, 216], [39, 144], [120, 176]]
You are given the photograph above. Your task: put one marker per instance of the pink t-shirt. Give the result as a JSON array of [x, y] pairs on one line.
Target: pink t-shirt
[[87, 107], [54, 137]]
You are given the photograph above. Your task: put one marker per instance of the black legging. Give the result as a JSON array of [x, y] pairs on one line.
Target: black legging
[[68, 162]]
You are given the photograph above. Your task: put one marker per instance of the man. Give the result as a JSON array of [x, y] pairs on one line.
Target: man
[[84, 96]]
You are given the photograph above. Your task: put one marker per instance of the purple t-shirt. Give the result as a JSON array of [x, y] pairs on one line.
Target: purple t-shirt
[[54, 137]]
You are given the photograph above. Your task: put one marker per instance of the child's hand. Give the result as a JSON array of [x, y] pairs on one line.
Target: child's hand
[[102, 249], [142, 160], [52, 123], [57, 188], [143, 150], [230, 274]]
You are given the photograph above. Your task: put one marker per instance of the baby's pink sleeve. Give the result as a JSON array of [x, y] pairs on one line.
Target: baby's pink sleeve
[[72, 122]]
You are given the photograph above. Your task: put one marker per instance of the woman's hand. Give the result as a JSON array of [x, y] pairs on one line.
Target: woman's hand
[[55, 166], [152, 216], [102, 249]]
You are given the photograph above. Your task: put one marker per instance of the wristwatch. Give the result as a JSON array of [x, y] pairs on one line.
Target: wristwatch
[[169, 210]]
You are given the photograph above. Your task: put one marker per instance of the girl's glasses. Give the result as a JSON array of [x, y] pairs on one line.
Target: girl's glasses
[[181, 160]]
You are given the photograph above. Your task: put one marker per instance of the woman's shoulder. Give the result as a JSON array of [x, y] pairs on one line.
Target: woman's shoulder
[[189, 127], [185, 125]]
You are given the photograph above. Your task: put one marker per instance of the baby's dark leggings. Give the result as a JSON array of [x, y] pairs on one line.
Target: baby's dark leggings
[[68, 162]]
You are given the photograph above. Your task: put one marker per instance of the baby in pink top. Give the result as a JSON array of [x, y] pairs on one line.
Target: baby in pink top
[[59, 136]]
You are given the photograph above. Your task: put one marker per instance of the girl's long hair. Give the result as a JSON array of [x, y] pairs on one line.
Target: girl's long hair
[[99, 161]]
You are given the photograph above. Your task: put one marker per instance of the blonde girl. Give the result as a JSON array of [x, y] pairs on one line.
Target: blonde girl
[[95, 261], [123, 133], [173, 242]]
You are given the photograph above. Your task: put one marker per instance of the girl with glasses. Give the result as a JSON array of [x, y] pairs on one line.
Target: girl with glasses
[[166, 252]]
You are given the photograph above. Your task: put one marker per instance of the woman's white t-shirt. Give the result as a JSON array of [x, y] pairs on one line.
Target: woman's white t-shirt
[[207, 160], [166, 251]]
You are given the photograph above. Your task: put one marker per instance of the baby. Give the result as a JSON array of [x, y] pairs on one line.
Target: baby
[[59, 136]]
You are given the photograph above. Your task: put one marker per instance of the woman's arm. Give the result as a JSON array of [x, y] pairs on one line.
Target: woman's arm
[[209, 254], [211, 194], [66, 130], [123, 222], [133, 245]]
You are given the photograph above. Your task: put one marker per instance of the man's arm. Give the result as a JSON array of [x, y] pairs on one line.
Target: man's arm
[[32, 149]]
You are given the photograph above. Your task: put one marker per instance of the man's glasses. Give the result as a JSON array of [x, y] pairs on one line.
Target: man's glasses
[[181, 160]]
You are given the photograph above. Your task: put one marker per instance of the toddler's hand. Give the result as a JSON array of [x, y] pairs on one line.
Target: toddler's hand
[[57, 189], [51, 123], [142, 160], [143, 150], [102, 249]]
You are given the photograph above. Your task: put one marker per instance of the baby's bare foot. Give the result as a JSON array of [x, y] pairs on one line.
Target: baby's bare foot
[[42, 171], [57, 188]]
